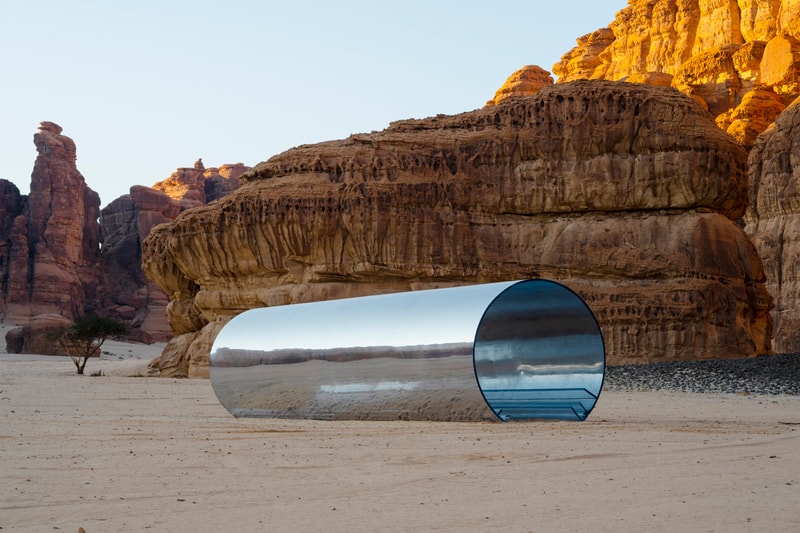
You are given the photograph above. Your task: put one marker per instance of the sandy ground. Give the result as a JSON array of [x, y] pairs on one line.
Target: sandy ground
[[118, 453]]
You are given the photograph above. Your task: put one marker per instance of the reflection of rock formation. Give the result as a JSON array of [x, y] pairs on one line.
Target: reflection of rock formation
[[227, 357], [627, 193], [773, 220], [741, 60]]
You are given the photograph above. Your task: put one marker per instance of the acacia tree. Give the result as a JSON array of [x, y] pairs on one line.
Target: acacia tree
[[84, 337]]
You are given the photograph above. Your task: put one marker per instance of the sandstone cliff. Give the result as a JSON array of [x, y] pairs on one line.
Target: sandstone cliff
[[773, 220], [626, 193], [738, 58], [51, 250]]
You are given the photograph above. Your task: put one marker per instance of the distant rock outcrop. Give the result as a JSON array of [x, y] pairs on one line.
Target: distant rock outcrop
[[129, 296], [57, 258], [51, 252], [773, 220], [738, 58], [198, 185], [626, 193]]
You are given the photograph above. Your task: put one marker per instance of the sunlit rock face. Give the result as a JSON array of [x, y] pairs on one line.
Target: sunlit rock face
[[197, 185], [524, 82], [773, 221], [626, 193], [719, 52]]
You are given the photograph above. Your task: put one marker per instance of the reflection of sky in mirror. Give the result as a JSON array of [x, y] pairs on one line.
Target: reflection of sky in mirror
[[404, 319]]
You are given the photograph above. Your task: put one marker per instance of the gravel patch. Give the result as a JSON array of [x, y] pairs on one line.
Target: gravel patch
[[770, 374]]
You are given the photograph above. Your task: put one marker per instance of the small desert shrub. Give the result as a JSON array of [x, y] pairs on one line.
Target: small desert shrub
[[84, 337]]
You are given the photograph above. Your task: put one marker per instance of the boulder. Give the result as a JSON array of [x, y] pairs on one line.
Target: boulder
[[758, 109], [37, 336], [780, 66], [626, 193]]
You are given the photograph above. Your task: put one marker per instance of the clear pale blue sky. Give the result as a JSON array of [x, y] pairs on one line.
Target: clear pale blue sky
[[146, 86]]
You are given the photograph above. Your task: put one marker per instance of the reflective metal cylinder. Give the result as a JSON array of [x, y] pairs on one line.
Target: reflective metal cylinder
[[512, 350]]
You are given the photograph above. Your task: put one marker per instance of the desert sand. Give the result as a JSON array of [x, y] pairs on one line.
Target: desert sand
[[113, 452]]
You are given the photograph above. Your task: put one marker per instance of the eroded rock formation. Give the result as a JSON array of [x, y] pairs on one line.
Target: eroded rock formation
[[56, 258], [726, 54], [773, 220], [626, 193], [198, 185], [129, 296], [51, 252]]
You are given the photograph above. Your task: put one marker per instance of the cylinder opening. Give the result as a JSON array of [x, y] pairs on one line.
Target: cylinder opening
[[539, 353]]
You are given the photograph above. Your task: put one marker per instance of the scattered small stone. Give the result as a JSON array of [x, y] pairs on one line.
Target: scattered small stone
[[769, 374]]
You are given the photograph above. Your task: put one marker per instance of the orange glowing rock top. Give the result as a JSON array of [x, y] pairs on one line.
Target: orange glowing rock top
[[524, 82]]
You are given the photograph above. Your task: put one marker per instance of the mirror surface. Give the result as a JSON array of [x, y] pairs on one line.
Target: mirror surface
[[462, 353]]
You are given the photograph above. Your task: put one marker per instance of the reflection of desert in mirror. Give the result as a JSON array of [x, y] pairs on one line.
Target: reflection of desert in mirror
[[426, 382], [382, 357]]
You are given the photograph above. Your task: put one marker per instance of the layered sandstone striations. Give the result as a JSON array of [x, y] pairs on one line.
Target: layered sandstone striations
[[51, 250], [626, 193], [726, 54], [773, 220]]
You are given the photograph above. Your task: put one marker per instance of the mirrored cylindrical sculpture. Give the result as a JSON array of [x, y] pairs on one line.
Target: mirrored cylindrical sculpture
[[513, 350]]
